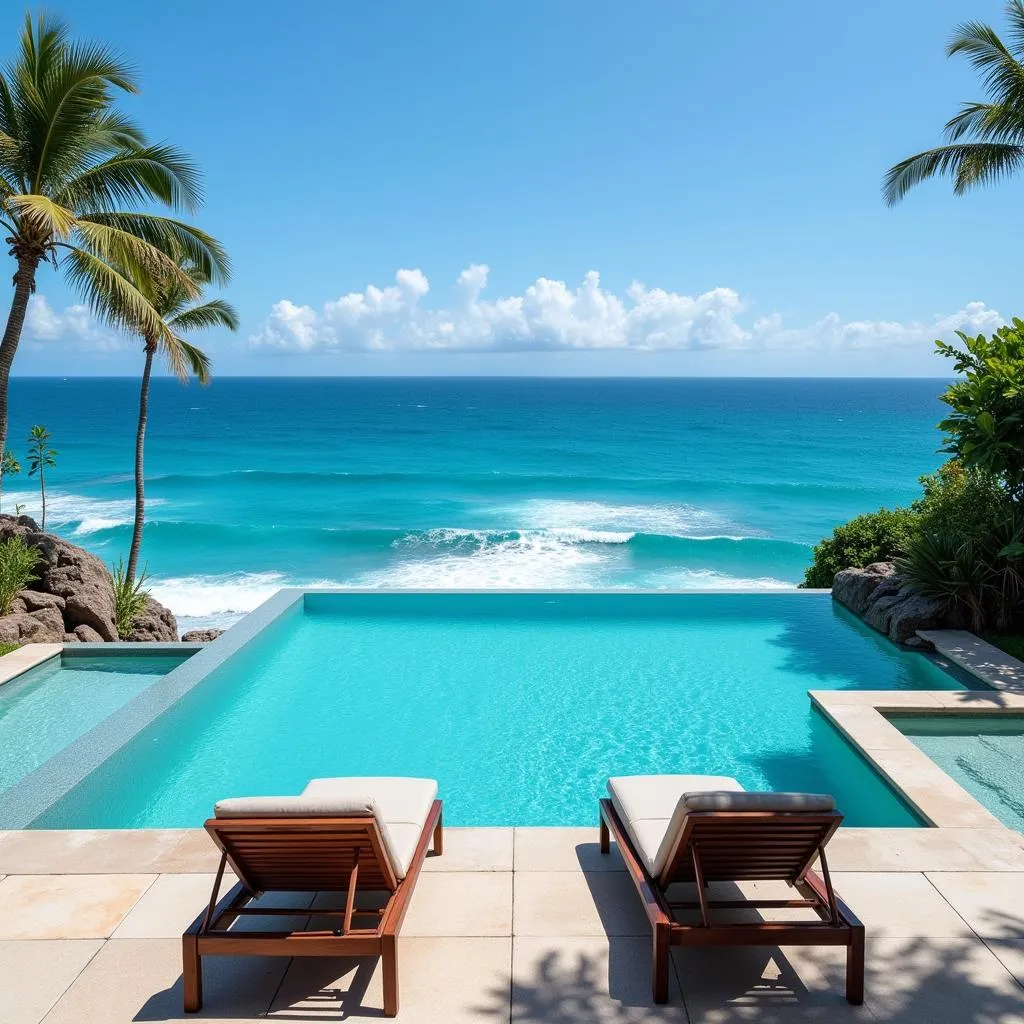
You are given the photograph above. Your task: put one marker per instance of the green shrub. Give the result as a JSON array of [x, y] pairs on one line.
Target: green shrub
[[8, 648], [129, 599], [966, 501], [873, 537], [18, 562]]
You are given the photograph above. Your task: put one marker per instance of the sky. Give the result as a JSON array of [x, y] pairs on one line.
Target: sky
[[572, 187]]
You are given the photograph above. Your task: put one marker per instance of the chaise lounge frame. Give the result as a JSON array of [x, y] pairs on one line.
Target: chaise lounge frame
[[735, 846], [305, 854]]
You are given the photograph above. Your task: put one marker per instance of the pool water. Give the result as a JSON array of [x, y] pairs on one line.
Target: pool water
[[521, 705], [984, 753], [46, 708]]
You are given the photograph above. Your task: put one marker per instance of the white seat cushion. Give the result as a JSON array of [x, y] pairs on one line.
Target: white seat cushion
[[402, 804], [650, 806]]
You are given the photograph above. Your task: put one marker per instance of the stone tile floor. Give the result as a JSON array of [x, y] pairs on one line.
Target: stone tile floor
[[525, 925]]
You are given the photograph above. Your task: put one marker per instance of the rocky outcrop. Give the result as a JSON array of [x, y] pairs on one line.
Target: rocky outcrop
[[878, 595], [201, 636], [155, 624], [73, 598]]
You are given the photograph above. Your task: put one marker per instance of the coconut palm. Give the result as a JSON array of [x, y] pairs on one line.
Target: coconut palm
[[69, 164], [179, 314], [9, 466], [41, 457], [985, 141]]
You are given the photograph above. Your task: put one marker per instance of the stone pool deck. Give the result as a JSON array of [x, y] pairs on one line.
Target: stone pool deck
[[512, 925]]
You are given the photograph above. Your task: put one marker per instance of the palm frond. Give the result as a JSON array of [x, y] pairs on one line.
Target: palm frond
[[215, 313], [1001, 74], [42, 215], [969, 164], [182, 242], [1015, 16], [198, 361], [988, 122]]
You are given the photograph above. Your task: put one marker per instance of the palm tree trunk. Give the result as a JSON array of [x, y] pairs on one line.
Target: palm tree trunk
[[24, 285], [42, 494], [140, 478]]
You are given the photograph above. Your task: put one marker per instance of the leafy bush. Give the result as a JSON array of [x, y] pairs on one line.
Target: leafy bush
[[7, 648], [129, 599], [873, 537], [986, 426], [967, 501], [18, 562]]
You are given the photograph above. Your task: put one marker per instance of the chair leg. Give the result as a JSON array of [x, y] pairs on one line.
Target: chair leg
[[389, 966], [602, 831], [662, 954], [438, 841], [855, 968], [192, 973]]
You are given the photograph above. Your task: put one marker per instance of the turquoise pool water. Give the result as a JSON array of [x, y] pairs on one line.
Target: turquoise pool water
[[520, 704], [984, 753], [45, 709]]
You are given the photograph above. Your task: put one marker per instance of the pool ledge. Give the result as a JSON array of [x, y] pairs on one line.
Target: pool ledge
[[995, 668], [26, 657], [860, 716]]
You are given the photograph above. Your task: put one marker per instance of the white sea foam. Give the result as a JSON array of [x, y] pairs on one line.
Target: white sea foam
[[78, 512], [451, 536], [709, 579], [678, 520], [197, 597]]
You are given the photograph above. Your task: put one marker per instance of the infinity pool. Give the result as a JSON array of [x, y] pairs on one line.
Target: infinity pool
[[520, 704]]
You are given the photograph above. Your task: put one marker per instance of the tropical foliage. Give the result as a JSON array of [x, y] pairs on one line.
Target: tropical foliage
[[873, 537], [18, 563], [129, 599], [78, 180], [9, 466], [985, 140], [41, 457]]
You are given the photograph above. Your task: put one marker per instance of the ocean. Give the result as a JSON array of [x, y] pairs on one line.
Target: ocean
[[258, 483]]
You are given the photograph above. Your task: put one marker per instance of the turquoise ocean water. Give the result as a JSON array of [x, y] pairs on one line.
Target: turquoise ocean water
[[258, 483]]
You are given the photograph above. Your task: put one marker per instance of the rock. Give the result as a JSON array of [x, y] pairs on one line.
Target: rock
[[918, 643], [34, 600], [42, 627], [201, 636], [878, 595], [87, 635], [70, 638], [155, 624]]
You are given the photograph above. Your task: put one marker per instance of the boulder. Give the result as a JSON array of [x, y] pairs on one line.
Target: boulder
[[71, 638], [878, 595], [42, 627], [156, 624], [34, 600], [87, 635], [201, 636]]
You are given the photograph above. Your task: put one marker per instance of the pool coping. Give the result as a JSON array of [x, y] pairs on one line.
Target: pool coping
[[862, 718]]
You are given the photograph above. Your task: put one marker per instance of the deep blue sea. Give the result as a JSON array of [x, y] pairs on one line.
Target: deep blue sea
[[254, 484]]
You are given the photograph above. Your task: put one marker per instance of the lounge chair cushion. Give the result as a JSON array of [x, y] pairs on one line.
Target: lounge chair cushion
[[402, 808], [650, 806], [653, 808]]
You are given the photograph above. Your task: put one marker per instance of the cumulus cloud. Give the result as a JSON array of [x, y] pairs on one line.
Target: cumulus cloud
[[72, 327], [552, 316]]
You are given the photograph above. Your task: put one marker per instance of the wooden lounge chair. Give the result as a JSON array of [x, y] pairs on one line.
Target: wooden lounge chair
[[702, 829], [341, 836]]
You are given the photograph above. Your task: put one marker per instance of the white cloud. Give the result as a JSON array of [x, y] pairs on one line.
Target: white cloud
[[73, 327], [551, 316]]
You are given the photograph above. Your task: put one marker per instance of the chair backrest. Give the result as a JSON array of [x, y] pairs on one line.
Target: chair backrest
[[751, 845], [304, 854]]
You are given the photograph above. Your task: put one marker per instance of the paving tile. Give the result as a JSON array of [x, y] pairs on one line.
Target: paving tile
[[876, 698], [868, 728], [114, 851], [992, 903], [766, 984], [441, 981], [563, 849], [981, 700], [940, 981], [474, 849], [1010, 953], [899, 905], [461, 903], [926, 849], [67, 906], [571, 903], [596, 979], [132, 980], [34, 975], [169, 906]]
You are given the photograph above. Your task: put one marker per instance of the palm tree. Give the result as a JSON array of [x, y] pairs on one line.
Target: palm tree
[[179, 314], [9, 466], [41, 457], [985, 140], [69, 162]]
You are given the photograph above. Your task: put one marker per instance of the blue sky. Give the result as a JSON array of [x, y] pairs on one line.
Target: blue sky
[[717, 165]]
